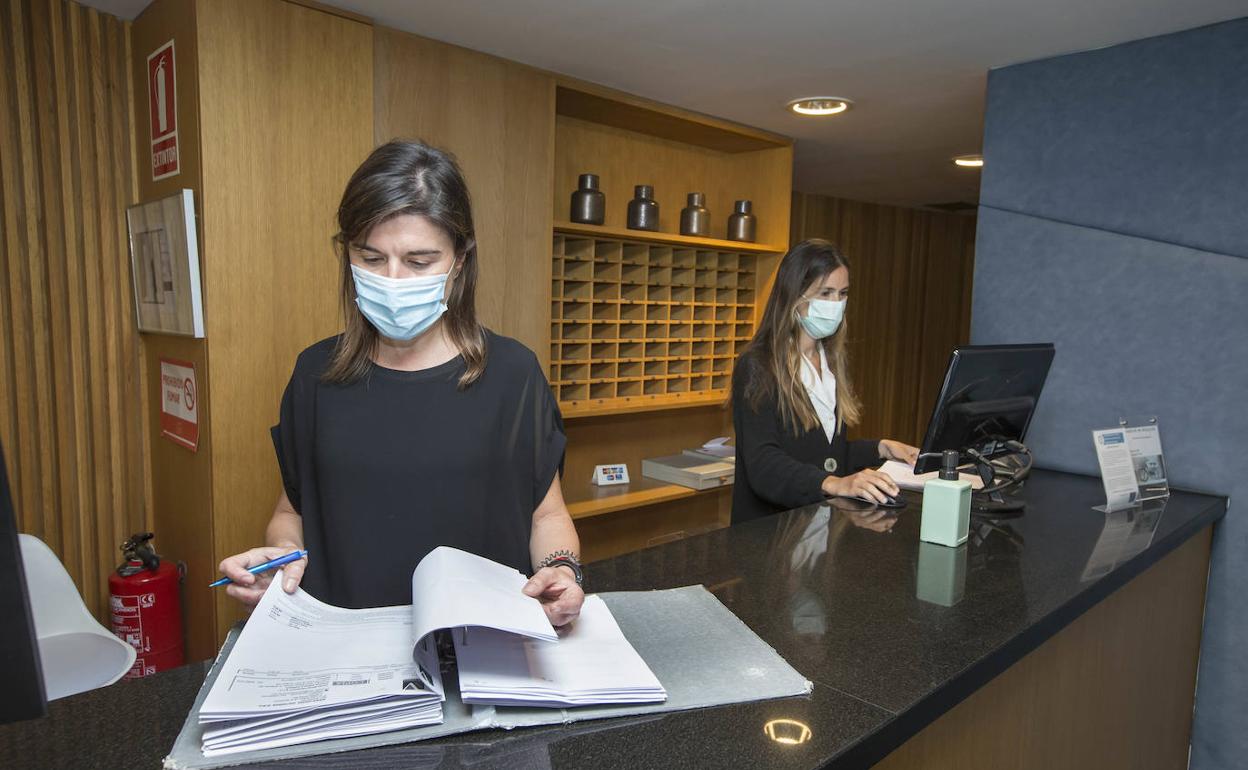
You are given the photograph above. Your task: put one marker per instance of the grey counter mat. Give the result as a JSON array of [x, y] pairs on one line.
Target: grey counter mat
[[701, 653]]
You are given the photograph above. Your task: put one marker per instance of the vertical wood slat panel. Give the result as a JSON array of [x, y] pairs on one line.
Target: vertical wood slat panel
[[71, 419], [911, 275]]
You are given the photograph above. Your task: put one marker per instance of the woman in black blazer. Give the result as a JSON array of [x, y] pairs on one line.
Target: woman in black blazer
[[792, 398]]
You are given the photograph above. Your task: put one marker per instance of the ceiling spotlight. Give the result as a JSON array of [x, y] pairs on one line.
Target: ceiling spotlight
[[969, 161], [820, 105]]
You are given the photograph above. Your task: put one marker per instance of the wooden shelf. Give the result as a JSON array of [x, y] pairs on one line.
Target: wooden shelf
[[666, 239], [585, 500], [598, 407]]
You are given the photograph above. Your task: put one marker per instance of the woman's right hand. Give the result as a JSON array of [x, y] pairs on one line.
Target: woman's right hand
[[868, 484], [248, 588]]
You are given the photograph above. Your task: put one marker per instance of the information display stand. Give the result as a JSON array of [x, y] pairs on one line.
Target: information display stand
[[1133, 469]]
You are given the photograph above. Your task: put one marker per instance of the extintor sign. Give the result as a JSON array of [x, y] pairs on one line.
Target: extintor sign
[[162, 98]]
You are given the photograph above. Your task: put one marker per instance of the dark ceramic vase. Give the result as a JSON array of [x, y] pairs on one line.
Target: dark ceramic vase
[[742, 225], [643, 211], [589, 204], [695, 218]]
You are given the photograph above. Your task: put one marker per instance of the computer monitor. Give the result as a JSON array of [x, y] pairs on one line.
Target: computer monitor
[[988, 397], [22, 679]]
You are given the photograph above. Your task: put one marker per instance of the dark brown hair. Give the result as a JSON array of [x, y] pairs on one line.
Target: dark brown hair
[[774, 348], [408, 177]]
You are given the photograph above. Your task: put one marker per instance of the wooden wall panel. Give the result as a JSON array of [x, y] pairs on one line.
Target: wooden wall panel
[[498, 118], [181, 480], [71, 415], [286, 99], [910, 278]]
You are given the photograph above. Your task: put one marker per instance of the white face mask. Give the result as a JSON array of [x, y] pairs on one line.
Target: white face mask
[[823, 318], [400, 308]]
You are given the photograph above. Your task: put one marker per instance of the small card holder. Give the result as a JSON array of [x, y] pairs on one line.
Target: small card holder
[[606, 475]]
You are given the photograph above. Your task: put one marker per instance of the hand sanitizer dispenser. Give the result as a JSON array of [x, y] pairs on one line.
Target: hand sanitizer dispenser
[[946, 505]]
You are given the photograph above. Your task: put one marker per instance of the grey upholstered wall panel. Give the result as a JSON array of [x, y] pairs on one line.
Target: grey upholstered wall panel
[[1114, 222], [1148, 138], [1141, 327]]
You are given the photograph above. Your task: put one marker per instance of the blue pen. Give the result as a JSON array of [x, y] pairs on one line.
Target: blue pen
[[268, 565]]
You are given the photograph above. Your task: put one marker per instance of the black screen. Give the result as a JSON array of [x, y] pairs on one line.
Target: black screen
[[21, 680], [989, 395]]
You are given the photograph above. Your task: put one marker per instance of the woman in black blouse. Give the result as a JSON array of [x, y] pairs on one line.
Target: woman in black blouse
[[792, 397], [415, 427]]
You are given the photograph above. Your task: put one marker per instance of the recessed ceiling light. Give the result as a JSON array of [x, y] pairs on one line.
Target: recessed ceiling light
[[816, 106], [969, 161]]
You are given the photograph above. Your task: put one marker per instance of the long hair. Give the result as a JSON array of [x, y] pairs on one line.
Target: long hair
[[408, 177], [774, 347]]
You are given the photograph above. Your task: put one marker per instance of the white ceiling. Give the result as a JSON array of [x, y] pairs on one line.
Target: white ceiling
[[916, 70]]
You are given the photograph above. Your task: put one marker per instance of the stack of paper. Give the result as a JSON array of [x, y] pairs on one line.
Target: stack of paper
[[592, 663], [304, 671], [689, 471]]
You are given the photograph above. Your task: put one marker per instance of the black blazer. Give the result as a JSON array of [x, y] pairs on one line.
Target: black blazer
[[776, 470]]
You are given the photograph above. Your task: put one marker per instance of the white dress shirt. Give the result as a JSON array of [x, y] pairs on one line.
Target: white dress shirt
[[822, 392]]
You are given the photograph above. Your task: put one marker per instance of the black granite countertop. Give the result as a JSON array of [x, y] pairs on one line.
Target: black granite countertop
[[893, 632]]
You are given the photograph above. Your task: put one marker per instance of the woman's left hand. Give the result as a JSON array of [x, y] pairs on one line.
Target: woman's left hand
[[556, 589], [902, 453]]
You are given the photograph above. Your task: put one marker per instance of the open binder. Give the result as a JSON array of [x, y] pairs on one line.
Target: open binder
[[304, 671], [701, 653]]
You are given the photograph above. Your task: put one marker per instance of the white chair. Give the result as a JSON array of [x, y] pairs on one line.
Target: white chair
[[77, 653]]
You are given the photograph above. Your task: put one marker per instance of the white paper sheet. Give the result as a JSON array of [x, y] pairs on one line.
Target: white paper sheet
[[452, 588], [592, 662], [905, 477]]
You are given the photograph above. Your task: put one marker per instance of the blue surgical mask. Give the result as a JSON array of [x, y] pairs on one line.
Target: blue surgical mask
[[400, 308], [823, 318]]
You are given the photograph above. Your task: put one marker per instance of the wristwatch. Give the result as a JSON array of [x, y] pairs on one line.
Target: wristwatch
[[570, 563]]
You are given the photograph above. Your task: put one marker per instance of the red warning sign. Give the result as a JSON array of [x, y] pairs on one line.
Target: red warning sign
[[179, 403], [162, 98]]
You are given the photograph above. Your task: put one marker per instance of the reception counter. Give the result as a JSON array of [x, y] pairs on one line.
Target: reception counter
[[1064, 638]]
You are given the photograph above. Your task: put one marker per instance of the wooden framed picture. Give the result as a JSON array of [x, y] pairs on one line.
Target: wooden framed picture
[[164, 266]]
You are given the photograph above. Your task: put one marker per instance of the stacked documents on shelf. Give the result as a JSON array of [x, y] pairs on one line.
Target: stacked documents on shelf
[[591, 664], [302, 670], [689, 471]]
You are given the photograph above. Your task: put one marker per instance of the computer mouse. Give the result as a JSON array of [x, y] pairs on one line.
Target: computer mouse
[[889, 502]]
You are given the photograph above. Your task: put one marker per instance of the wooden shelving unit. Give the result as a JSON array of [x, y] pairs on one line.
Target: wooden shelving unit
[[655, 320], [635, 322], [646, 327]]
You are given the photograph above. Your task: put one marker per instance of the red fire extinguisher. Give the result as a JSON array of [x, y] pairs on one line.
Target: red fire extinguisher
[[146, 608]]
